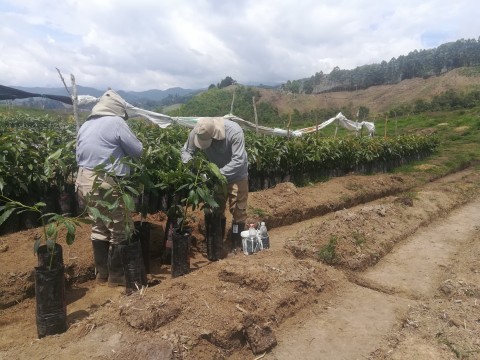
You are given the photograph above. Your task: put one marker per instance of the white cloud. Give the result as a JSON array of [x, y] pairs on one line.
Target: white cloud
[[149, 44]]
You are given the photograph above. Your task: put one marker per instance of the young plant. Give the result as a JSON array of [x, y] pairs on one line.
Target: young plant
[[119, 194], [201, 180], [60, 166], [51, 223]]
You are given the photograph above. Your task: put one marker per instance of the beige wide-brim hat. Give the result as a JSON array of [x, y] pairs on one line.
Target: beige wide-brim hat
[[110, 104], [208, 129]]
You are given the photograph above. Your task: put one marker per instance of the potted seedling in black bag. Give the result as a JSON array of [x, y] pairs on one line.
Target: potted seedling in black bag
[[118, 193], [51, 312], [200, 180]]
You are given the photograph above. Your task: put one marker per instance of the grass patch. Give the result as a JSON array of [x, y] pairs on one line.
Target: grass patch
[[443, 340], [257, 212], [359, 238], [412, 195], [327, 253]]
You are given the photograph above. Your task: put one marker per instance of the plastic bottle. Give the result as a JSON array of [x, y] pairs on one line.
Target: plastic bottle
[[264, 236], [251, 240]]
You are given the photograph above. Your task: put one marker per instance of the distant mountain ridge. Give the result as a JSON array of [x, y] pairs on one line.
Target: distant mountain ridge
[[151, 98]]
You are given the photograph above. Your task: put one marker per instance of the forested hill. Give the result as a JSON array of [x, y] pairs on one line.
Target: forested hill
[[455, 89], [417, 64]]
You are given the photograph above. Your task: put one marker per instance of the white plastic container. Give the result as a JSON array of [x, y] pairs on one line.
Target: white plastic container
[[251, 243], [265, 239]]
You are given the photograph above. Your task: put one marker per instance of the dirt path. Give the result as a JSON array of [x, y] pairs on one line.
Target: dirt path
[[356, 323]]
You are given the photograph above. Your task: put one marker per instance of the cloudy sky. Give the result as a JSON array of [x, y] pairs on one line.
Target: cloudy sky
[[159, 44]]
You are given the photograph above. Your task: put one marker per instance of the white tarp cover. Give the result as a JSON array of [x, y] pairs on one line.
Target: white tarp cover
[[164, 120]]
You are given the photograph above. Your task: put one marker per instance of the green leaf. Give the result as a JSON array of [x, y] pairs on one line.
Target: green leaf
[[193, 198], [202, 193], [108, 193], [216, 171], [182, 187], [70, 238], [55, 155], [5, 215], [36, 245], [211, 202], [51, 231], [129, 203], [102, 203], [96, 214], [132, 190], [50, 216], [113, 206], [128, 230]]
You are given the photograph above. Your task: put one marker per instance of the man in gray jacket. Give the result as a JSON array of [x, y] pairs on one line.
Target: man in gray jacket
[[223, 143], [103, 137]]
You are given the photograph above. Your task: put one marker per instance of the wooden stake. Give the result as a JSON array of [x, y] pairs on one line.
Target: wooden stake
[[255, 112], [73, 95], [288, 126], [356, 122], [75, 102], [386, 121], [63, 80], [233, 101], [396, 123]]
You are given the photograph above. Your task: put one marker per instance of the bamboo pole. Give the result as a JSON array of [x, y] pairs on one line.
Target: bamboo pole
[[75, 102], [255, 112]]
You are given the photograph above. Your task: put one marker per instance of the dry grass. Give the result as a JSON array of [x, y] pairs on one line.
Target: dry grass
[[379, 98]]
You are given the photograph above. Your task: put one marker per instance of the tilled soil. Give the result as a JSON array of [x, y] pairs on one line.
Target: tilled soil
[[323, 238]]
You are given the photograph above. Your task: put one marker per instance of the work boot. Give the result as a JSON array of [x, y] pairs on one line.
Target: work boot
[[100, 258], [116, 274], [236, 237]]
